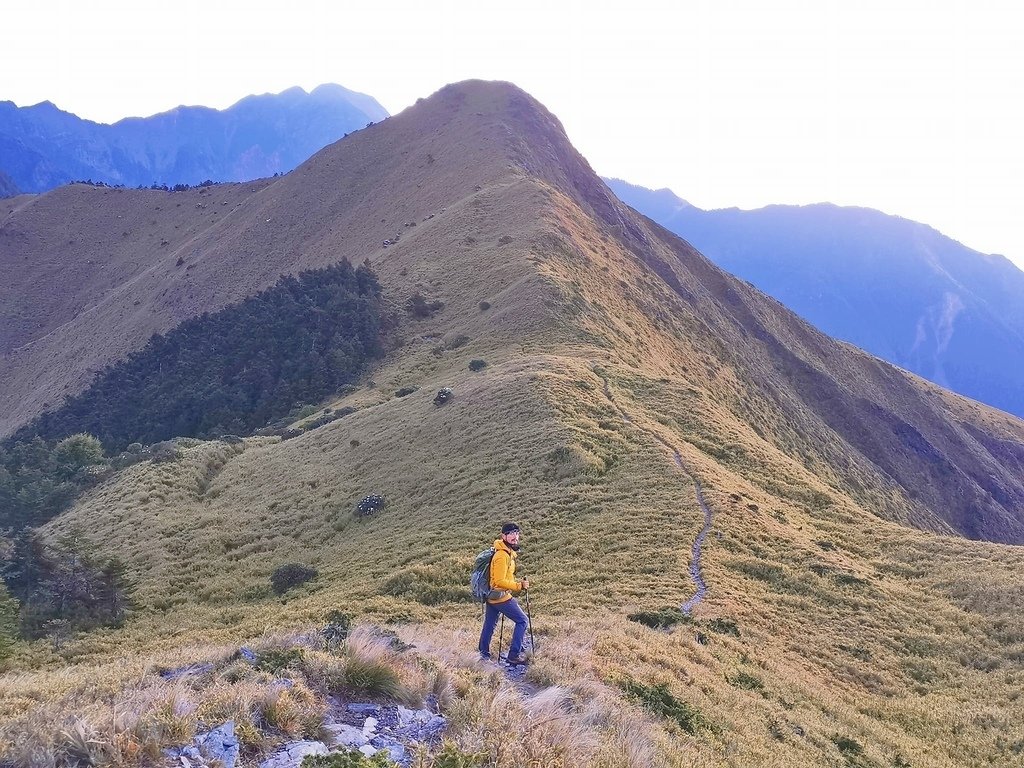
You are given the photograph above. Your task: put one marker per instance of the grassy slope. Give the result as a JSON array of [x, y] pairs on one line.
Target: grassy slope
[[851, 626], [907, 642]]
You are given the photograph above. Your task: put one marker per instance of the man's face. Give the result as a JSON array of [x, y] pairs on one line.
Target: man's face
[[512, 539]]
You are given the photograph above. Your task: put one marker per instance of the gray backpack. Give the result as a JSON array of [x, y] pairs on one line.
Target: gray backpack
[[480, 581]]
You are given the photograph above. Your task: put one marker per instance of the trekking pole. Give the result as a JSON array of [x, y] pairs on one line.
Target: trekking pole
[[529, 620], [501, 635]]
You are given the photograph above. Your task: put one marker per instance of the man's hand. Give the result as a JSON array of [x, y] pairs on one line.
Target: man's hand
[[524, 584]]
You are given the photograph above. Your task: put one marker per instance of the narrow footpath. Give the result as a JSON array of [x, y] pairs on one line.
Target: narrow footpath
[[695, 551]]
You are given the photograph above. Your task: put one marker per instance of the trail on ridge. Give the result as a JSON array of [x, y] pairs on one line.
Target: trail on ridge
[[698, 543]]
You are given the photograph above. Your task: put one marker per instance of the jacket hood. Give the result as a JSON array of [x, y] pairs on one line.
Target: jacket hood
[[500, 544]]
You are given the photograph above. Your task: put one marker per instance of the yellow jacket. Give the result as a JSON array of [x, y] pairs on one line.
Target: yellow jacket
[[503, 573]]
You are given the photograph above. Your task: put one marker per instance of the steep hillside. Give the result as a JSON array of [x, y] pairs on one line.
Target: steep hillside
[[42, 147], [894, 287], [845, 622]]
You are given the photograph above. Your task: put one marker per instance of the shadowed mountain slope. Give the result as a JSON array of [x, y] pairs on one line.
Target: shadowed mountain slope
[[843, 618], [42, 147], [898, 289]]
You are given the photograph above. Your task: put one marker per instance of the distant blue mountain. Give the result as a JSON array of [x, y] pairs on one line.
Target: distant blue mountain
[[42, 147], [7, 186], [896, 288]]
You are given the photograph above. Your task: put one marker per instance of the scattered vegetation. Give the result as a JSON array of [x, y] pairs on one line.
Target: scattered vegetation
[[477, 365]]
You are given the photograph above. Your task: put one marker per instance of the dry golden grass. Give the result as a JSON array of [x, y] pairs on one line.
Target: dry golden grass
[[858, 641]]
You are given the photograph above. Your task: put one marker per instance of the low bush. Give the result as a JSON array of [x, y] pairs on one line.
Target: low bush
[[724, 627], [405, 391], [659, 619], [353, 759], [658, 699], [418, 306], [746, 681], [273, 660], [291, 575], [477, 365], [370, 504]]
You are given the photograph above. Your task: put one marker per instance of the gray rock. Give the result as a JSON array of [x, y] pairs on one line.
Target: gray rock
[[291, 754], [364, 709], [396, 751], [344, 735], [219, 745], [248, 654]]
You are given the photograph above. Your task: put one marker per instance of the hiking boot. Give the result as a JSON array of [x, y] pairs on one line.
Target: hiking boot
[[517, 660]]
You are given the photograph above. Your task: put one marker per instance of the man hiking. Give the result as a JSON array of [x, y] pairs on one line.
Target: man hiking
[[500, 601]]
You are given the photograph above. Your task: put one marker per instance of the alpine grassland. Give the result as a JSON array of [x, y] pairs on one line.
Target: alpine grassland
[[846, 622]]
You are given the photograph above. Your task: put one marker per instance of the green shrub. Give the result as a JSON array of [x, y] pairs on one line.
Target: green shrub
[[291, 575], [724, 627], [353, 759], [477, 365], [418, 306], [659, 619], [484, 306], [453, 757], [273, 660], [339, 624], [848, 746], [747, 681], [405, 391], [658, 699]]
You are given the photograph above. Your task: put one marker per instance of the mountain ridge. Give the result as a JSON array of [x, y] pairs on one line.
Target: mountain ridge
[[847, 613]]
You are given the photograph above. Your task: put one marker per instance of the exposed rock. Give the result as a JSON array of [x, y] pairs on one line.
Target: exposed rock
[[217, 747], [291, 754], [345, 735]]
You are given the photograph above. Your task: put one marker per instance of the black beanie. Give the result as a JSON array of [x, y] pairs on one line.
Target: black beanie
[[509, 528]]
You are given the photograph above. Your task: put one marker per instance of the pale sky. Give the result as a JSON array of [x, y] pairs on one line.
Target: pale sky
[[914, 108]]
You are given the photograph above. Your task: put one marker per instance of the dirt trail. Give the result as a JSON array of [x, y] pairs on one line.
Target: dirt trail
[[695, 551]]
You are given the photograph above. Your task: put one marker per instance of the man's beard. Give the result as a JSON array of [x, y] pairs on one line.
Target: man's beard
[[513, 547]]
